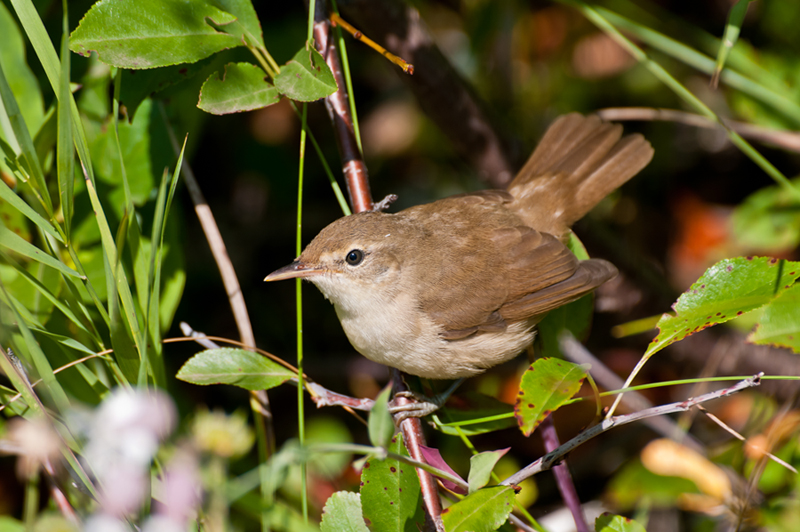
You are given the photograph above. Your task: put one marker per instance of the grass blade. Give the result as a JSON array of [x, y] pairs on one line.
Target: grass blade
[[731, 35], [65, 161]]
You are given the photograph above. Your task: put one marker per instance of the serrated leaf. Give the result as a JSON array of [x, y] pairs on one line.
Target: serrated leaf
[[780, 323], [381, 425], [239, 367], [390, 493], [616, 523], [726, 290], [306, 78], [545, 386], [472, 407], [483, 511], [152, 33], [243, 87], [481, 466], [246, 23], [342, 513]]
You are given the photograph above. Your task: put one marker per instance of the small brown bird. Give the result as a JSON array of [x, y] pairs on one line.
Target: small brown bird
[[450, 288]]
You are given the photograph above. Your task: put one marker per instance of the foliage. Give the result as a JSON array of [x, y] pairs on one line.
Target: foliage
[[96, 251]]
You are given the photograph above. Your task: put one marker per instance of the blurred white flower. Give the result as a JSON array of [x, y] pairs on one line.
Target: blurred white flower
[[34, 441], [123, 436]]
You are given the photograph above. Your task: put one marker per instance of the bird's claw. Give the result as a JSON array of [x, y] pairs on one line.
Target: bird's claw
[[420, 406]]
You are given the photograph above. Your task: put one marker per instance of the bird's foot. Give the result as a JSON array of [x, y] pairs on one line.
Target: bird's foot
[[408, 404], [413, 404]]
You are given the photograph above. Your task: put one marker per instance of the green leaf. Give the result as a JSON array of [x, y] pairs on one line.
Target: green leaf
[[390, 493], [246, 23], [243, 87], [152, 33], [16, 243], [726, 290], [616, 523], [485, 510], [342, 513], [481, 466], [474, 413], [381, 425], [780, 323], [768, 220], [239, 367], [306, 78], [545, 386]]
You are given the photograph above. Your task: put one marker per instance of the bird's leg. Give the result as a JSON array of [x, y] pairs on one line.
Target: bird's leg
[[422, 405]]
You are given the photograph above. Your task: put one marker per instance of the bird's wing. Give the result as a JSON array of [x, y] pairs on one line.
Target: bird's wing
[[487, 278]]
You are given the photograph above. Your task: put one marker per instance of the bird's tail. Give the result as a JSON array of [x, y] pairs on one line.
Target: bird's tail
[[579, 161]]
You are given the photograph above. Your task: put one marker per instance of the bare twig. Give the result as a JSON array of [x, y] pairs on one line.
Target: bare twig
[[550, 459], [633, 400], [788, 140]]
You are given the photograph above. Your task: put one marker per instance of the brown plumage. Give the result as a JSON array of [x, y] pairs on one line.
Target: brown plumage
[[450, 288]]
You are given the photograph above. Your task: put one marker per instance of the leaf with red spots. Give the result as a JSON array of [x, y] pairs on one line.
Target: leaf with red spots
[[726, 290], [390, 493], [483, 511], [547, 385], [780, 323]]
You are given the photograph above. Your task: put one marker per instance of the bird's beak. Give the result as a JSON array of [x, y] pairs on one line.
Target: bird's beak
[[294, 270]]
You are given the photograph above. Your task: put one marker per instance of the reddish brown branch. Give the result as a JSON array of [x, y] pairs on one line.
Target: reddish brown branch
[[353, 166]]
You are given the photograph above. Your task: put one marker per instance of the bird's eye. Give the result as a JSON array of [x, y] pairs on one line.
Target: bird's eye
[[354, 257]]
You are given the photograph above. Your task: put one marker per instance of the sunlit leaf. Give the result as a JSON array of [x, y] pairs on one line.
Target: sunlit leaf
[[481, 466], [239, 367], [726, 290], [483, 511], [780, 323], [342, 513], [545, 386], [306, 78], [390, 493], [152, 33]]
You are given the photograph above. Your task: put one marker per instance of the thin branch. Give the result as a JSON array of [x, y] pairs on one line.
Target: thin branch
[[788, 140], [667, 427], [550, 459]]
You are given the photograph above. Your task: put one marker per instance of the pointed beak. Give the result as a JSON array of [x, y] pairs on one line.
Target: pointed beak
[[294, 270]]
